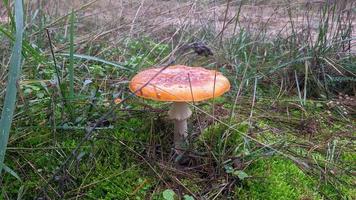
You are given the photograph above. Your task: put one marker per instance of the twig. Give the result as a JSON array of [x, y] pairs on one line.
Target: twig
[[64, 102], [225, 18], [54, 58]]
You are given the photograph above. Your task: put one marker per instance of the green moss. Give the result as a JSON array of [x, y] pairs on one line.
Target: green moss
[[117, 182], [219, 138], [117, 170], [348, 158], [277, 178]]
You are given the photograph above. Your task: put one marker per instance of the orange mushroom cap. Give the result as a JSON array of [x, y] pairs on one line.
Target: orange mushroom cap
[[178, 83]]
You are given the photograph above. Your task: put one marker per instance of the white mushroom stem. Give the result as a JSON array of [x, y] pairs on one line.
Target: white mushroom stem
[[180, 112]]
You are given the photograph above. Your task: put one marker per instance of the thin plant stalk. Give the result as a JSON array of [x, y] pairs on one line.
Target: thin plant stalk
[[71, 57]]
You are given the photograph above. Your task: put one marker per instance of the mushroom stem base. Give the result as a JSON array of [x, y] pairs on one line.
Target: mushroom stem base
[[180, 135]]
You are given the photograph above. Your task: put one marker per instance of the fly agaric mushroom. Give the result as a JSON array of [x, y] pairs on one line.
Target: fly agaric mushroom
[[179, 84]]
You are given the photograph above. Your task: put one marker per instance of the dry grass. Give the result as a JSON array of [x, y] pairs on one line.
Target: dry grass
[[162, 19]]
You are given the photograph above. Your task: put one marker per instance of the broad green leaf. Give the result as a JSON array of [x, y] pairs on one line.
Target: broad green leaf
[[11, 89], [241, 174], [168, 194]]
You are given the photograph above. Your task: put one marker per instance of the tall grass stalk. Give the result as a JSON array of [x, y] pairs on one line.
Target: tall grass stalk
[[298, 88], [71, 57], [9, 13], [11, 90], [28, 50], [305, 81]]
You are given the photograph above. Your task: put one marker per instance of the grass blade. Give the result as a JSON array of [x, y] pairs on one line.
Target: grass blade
[[298, 88], [9, 13], [28, 50], [306, 81], [10, 171], [92, 58], [71, 57], [14, 174], [11, 90]]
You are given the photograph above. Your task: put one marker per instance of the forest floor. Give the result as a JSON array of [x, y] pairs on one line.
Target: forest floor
[[285, 130]]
